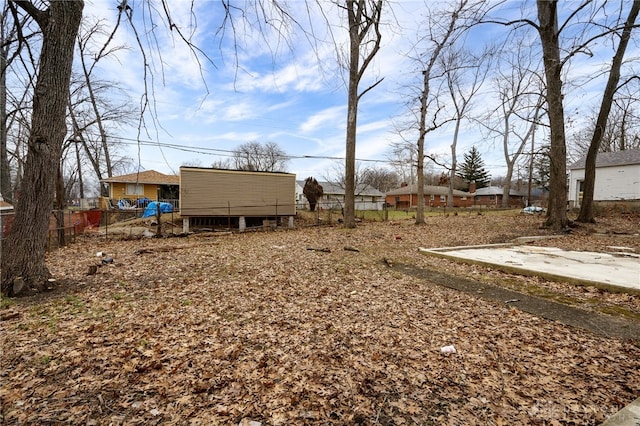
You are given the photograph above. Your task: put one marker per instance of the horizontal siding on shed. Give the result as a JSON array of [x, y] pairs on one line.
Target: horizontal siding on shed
[[212, 192]]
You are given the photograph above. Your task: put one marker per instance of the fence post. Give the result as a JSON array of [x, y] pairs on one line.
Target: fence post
[[158, 214]]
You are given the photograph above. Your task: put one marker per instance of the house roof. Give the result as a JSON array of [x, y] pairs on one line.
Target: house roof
[[428, 190], [148, 176], [611, 159], [330, 188], [4, 205], [498, 190]]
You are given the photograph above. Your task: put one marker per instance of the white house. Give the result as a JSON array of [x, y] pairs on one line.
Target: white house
[[617, 177], [366, 197]]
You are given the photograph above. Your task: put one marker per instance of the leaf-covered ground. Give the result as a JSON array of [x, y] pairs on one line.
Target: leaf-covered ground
[[220, 328]]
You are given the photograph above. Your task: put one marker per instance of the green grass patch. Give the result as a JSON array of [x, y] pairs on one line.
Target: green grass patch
[[6, 303]]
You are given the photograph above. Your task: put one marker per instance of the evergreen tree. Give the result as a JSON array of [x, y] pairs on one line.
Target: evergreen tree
[[472, 169], [542, 168]]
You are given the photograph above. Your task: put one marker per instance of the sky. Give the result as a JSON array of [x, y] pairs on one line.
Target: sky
[[287, 87]]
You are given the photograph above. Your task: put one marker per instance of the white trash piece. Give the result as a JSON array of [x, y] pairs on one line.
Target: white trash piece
[[449, 349]]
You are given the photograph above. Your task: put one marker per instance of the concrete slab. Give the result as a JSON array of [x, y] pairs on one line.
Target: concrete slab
[[617, 271], [628, 416]]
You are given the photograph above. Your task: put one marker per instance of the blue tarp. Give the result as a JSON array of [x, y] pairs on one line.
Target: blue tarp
[[152, 208]]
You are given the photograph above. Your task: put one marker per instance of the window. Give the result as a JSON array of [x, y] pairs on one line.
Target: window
[[432, 197], [135, 189], [443, 198]]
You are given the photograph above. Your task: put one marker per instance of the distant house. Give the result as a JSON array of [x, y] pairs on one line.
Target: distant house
[[301, 200], [491, 196], [366, 197], [234, 198], [6, 217], [617, 177], [149, 184], [4, 206], [406, 197]]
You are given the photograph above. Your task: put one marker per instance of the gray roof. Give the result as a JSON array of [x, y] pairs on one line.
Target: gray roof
[[428, 190], [498, 190], [331, 188], [611, 159]]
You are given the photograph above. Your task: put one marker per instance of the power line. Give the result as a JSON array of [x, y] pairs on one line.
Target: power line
[[228, 152]]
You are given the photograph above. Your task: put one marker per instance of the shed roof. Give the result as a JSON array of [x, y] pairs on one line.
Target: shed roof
[[611, 159], [428, 190], [147, 176]]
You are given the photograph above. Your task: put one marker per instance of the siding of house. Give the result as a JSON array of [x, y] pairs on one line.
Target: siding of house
[[222, 193], [119, 190], [612, 184]]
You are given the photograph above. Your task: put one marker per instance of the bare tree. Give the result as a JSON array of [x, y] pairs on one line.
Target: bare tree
[[402, 157], [444, 28], [364, 42], [465, 73], [23, 258], [622, 131], [586, 23], [519, 89], [380, 178], [24, 264], [257, 157], [14, 113], [5, 174], [586, 208], [217, 164], [89, 59], [549, 33]]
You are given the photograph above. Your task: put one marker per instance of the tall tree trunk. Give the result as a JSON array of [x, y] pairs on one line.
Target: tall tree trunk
[[60, 205], [454, 160], [548, 30], [24, 250], [363, 18], [352, 123], [586, 208], [420, 171], [93, 159], [421, 137], [79, 163], [5, 173]]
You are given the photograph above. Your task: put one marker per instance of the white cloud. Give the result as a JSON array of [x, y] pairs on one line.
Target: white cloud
[[323, 119], [291, 93]]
